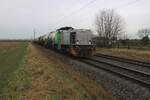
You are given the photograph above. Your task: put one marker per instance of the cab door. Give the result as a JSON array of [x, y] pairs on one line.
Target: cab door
[[73, 38]]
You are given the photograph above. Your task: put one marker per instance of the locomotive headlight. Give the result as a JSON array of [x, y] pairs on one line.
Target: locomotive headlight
[[90, 42], [77, 42]]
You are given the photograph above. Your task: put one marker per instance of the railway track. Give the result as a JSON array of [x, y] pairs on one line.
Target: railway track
[[122, 68], [131, 61]]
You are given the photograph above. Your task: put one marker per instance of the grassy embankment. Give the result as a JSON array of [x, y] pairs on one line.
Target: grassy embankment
[[57, 81], [137, 54], [44, 76], [12, 56], [35, 73]]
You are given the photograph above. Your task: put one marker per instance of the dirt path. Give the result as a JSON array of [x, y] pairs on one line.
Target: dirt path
[[52, 79]]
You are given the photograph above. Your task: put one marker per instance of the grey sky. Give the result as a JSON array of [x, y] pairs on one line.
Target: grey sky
[[19, 17]]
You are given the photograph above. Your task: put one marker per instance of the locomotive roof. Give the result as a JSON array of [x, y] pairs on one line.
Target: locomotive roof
[[66, 28]]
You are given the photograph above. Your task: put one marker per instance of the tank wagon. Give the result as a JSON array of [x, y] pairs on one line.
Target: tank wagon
[[75, 42]]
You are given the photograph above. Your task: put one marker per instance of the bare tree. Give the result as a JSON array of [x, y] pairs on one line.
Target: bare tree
[[108, 26], [143, 32], [144, 35]]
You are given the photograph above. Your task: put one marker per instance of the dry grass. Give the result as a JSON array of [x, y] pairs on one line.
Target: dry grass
[[12, 56], [53, 80], [142, 55]]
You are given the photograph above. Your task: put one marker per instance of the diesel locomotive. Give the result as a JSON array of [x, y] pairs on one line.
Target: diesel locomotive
[[70, 41]]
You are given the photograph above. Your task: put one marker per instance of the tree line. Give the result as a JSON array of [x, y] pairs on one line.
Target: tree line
[[110, 26]]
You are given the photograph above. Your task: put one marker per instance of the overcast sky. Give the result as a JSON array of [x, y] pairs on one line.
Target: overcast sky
[[18, 18]]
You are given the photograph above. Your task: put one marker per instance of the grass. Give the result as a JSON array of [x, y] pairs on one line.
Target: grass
[[11, 58], [136, 47], [40, 74], [142, 55]]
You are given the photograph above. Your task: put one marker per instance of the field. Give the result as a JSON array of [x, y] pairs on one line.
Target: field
[[11, 58], [35, 73], [137, 54]]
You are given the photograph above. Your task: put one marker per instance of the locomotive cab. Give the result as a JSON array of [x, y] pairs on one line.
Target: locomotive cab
[[81, 43]]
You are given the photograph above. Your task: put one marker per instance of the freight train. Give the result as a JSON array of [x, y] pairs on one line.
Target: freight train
[[70, 41]]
